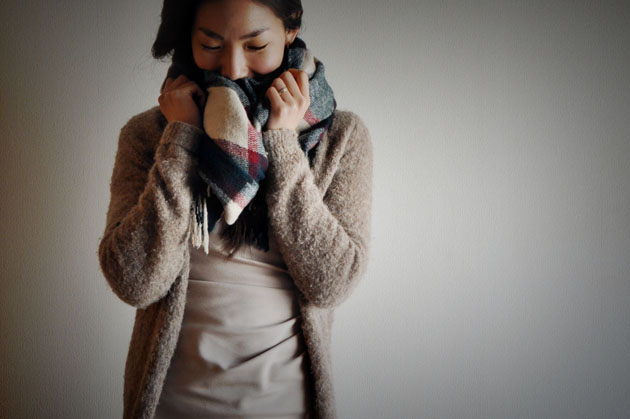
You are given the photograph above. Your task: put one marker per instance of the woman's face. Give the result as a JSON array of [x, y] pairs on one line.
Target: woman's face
[[240, 38]]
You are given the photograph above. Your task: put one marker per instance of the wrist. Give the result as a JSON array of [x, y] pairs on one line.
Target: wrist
[[281, 124]]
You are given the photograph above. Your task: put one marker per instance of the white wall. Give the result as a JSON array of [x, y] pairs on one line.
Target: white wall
[[499, 283]]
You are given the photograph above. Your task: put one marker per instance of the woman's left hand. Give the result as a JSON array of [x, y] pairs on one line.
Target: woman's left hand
[[289, 98]]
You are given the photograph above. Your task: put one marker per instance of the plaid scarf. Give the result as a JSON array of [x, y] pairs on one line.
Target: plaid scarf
[[232, 163]]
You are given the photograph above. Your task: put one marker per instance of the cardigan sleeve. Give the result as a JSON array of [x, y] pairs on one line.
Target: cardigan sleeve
[[323, 236], [141, 251]]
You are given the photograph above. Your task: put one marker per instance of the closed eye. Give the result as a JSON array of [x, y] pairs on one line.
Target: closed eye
[[254, 48]]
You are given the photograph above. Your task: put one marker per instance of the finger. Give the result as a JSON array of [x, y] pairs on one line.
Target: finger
[[291, 84], [283, 93], [302, 80], [190, 88], [167, 82], [190, 85], [278, 84], [275, 99], [301, 92], [301, 77], [178, 82]]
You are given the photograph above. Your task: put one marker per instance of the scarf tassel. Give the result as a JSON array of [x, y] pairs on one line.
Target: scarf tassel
[[199, 228]]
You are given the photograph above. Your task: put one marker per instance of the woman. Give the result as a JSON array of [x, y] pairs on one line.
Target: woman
[[239, 218]]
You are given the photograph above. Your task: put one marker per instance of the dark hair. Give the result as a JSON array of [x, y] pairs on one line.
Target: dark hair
[[174, 34]]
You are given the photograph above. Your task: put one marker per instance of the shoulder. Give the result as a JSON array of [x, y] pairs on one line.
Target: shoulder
[[147, 122], [143, 131], [349, 132], [345, 151], [344, 120]]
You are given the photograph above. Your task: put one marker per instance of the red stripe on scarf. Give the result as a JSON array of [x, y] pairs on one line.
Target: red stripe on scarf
[[252, 150], [310, 118], [240, 200], [233, 149]]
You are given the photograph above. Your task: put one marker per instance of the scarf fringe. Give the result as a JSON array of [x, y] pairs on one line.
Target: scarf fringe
[[199, 221]]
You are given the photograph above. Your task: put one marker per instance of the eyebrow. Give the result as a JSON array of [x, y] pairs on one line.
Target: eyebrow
[[215, 35]]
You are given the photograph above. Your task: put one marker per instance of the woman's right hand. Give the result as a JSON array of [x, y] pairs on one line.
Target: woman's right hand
[[182, 100]]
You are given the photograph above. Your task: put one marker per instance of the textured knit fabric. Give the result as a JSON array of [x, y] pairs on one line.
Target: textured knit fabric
[[319, 215], [240, 351]]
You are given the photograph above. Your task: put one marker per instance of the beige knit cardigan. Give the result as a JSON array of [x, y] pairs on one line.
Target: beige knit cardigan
[[319, 216]]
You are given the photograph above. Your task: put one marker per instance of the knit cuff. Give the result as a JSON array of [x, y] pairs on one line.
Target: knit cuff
[[183, 134], [282, 144]]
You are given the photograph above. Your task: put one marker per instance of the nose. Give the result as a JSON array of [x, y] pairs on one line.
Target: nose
[[233, 65]]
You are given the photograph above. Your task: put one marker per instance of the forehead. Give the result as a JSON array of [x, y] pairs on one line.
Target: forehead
[[234, 18]]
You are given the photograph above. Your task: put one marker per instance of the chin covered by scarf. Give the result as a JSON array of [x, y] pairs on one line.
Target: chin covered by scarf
[[233, 160]]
